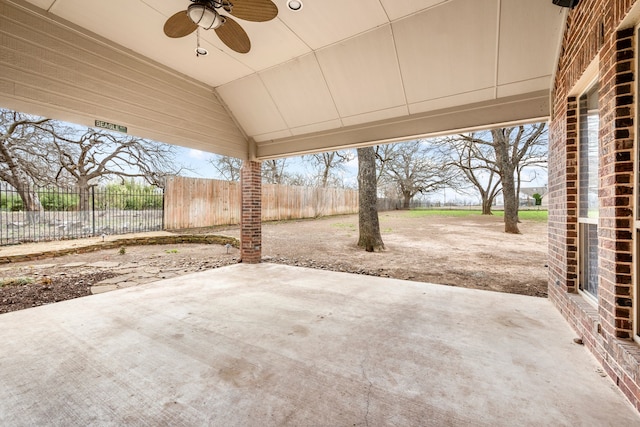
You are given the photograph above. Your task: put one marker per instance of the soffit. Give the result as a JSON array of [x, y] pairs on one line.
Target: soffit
[[346, 64]]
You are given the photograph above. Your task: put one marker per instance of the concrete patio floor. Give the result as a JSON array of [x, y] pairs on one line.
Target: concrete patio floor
[[267, 345]]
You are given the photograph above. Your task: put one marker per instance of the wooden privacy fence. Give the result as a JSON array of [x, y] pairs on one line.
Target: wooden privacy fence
[[196, 202]]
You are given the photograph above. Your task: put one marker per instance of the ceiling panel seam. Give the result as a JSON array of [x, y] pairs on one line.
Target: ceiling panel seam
[[497, 57], [525, 80], [409, 15], [326, 85], [450, 95], [399, 68], [284, 120], [385, 10], [232, 116], [295, 34]]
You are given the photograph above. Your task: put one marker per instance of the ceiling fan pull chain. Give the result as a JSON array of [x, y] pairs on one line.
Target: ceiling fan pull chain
[[200, 51]]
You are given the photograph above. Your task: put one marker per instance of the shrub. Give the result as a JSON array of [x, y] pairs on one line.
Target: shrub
[[538, 198], [129, 196], [55, 200], [11, 202]]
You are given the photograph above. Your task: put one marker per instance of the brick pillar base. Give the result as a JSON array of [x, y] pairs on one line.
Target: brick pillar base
[[251, 214]]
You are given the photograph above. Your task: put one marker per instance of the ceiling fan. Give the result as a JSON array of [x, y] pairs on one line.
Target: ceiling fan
[[206, 15]]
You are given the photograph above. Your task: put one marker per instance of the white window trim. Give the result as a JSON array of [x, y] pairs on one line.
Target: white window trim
[[588, 220]]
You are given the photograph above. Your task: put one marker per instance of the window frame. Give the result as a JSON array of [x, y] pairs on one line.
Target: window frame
[[584, 222]]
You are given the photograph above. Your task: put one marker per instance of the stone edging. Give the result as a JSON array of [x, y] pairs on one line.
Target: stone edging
[[135, 241]]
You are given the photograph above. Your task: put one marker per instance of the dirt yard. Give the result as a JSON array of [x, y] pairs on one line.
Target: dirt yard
[[470, 251]]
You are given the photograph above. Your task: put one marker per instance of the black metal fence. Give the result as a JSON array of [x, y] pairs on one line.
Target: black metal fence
[[34, 214]]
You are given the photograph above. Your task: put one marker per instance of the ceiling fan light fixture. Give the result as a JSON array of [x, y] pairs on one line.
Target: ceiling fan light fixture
[[204, 16], [294, 5]]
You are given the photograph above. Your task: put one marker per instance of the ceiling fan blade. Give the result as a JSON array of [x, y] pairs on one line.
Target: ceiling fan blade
[[254, 10], [232, 34], [179, 25]]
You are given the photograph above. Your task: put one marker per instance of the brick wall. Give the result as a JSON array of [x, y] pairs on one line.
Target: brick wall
[[616, 182], [251, 213], [592, 31]]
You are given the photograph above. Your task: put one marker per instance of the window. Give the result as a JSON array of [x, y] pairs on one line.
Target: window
[[588, 163]]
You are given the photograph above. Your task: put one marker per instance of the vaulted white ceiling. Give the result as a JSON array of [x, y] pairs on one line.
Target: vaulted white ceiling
[[348, 72]]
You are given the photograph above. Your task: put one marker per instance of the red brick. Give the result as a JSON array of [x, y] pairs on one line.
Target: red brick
[[251, 217], [615, 51]]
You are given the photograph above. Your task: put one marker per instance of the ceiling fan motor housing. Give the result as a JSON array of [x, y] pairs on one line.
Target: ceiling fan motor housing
[[204, 14]]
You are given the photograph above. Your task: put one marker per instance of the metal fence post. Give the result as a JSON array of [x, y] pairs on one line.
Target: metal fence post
[[164, 194], [93, 209]]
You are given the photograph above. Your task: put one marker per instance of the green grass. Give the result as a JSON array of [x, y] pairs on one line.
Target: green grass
[[541, 216], [344, 225], [15, 281], [534, 215]]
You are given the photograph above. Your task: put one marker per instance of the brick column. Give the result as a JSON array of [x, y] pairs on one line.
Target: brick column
[[615, 227], [251, 213]]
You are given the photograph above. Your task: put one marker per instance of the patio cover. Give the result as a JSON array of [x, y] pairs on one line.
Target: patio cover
[[334, 74]]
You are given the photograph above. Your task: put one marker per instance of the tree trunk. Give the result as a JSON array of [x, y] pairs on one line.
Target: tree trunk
[[370, 238], [31, 201], [510, 203], [503, 148], [406, 200], [325, 177], [85, 197], [486, 206]]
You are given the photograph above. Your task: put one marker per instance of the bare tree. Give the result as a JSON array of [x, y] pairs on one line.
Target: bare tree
[[273, 171], [24, 156], [383, 154], [513, 148], [476, 162], [326, 164], [414, 167], [298, 179], [369, 225], [89, 156], [228, 167]]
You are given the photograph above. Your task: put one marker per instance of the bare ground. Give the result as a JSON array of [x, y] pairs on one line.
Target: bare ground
[[470, 251]]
